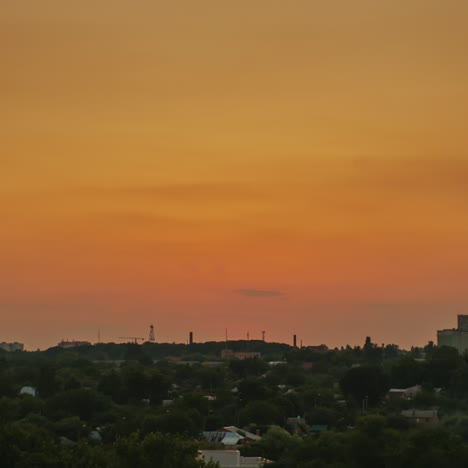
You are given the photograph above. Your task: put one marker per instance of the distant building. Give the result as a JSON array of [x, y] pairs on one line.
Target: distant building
[[10, 347], [428, 417], [318, 349], [404, 393], [65, 344], [230, 354], [456, 337], [232, 459], [297, 425]]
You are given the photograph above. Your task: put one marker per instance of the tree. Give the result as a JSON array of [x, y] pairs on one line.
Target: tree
[[47, 384], [276, 443], [156, 449], [366, 382], [253, 389], [260, 412], [371, 352], [407, 372], [81, 402], [443, 364]]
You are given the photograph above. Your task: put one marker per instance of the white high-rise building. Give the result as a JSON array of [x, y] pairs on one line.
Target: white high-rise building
[[10, 347]]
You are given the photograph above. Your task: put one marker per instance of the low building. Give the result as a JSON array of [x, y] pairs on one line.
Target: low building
[[428, 417], [318, 349], [232, 459], [11, 347], [297, 425], [403, 393], [230, 354], [318, 428]]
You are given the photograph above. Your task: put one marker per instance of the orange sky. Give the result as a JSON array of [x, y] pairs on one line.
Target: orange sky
[[295, 167]]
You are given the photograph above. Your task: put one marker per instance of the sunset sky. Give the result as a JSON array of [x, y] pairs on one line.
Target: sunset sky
[[289, 166]]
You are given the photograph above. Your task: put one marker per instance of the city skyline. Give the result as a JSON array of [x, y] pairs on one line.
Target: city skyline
[[296, 169]]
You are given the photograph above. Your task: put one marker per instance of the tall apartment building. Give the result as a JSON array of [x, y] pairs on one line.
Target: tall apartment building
[[10, 347], [456, 337]]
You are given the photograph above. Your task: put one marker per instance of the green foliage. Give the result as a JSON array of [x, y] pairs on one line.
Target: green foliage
[[275, 444], [156, 449], [365, 382], [443, 365], [260, 412], [123, 401], [407, 372]]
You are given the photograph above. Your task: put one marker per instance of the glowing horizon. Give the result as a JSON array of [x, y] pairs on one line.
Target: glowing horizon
[[293, 168]]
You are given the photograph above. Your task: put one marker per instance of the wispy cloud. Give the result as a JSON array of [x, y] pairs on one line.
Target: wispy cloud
[[259, 293]]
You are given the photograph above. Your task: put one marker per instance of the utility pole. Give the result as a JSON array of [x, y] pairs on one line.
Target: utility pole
[[365, 404]]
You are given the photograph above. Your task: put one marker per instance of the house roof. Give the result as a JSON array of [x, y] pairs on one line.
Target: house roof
[[319, 428], [221, 437], [28, 391], [244, 434]]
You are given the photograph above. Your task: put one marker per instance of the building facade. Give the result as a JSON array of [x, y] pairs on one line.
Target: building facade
[[455, 337], [10, 347], [232, 459], [230, 354]]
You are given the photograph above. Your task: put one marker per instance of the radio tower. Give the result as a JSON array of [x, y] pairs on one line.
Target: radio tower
[[151, 334], [263, 335]]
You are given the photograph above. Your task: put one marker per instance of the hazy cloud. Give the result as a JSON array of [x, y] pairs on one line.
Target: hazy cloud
[[142, 218], [182, 192], [259, 292]]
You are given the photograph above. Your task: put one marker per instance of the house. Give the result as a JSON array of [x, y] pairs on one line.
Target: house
[[308, 365], [318, 428], [232, 459], [297, 425], [403, 393], [428, 417]]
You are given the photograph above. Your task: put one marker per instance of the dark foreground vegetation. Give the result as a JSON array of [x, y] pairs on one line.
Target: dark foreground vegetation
[[147, 406]]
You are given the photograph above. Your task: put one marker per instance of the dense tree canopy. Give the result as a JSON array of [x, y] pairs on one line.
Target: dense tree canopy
[[129, 405]]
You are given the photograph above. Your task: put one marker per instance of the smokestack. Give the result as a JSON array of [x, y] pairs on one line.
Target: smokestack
[[295, 341], [191, 338]]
